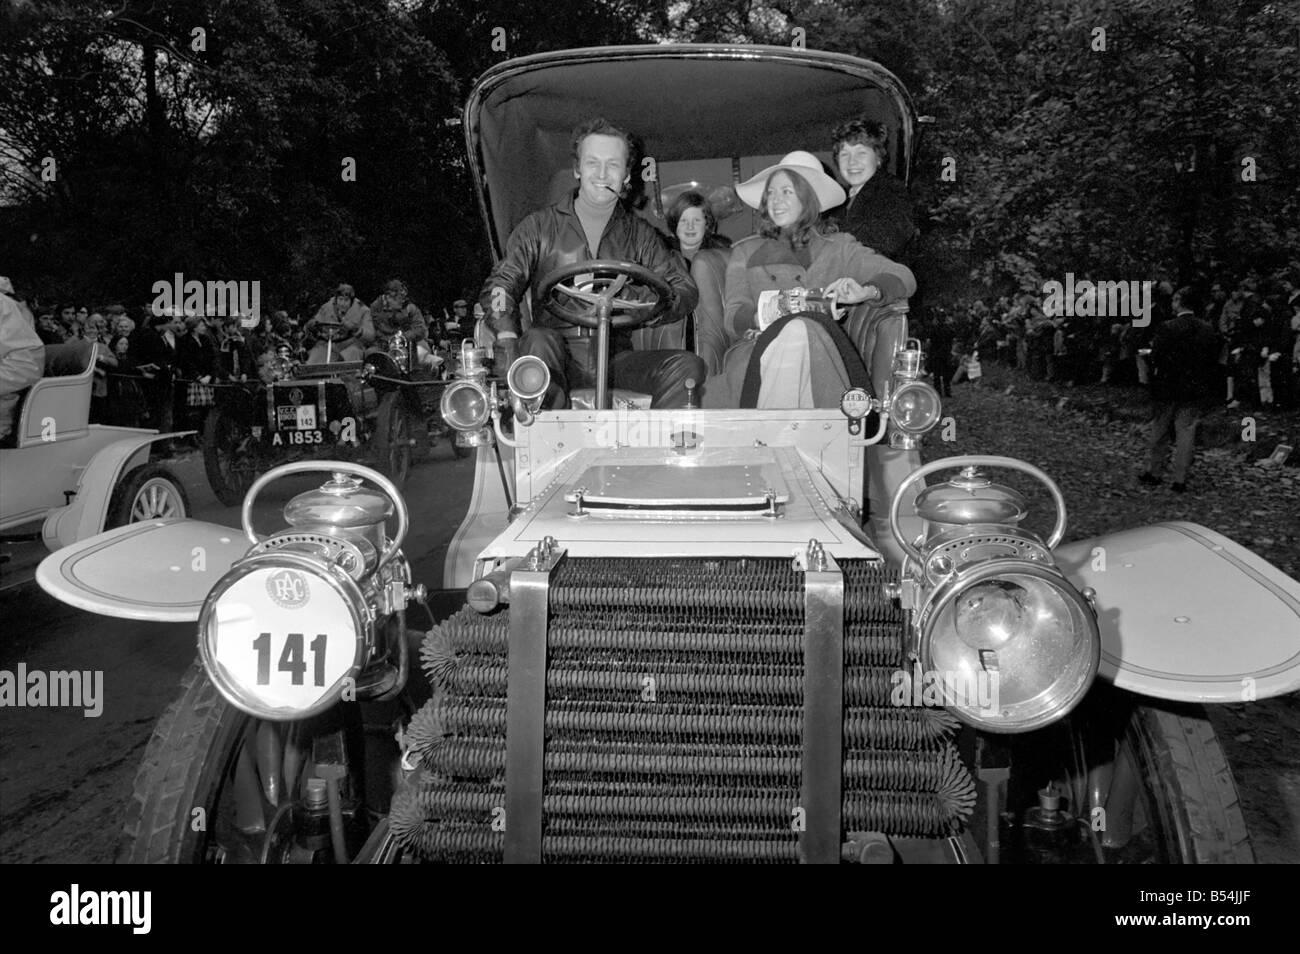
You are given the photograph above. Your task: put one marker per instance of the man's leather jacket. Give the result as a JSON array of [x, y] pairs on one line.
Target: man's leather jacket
[[552, 237]]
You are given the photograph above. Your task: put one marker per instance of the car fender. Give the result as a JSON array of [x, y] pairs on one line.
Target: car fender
[[86, 515], [1187, 614]]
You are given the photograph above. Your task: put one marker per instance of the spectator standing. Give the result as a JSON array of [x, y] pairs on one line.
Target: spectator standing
[[68, 320], [236, 360], [938, 352], [458, 326], [1185, 377], [105, 361], [154, 353], [196, 366], [49, 330]]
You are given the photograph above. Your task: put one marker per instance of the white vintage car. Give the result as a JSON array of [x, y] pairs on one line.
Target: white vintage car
[[77, 478], [702, 635]]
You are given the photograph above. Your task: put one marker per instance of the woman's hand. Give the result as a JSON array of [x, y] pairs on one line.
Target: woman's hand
[[848, 292]]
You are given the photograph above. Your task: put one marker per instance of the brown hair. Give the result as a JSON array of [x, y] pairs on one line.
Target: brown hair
[[600, 126], [806, 225], [691, 200], [864, 132]]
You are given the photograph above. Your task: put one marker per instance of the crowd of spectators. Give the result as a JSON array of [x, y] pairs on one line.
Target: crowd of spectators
[[1256, 318], [161, 370]]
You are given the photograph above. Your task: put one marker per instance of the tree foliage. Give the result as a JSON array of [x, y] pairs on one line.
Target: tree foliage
[[220, 154]]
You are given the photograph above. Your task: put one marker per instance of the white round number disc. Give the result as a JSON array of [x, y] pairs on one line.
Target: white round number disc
[[283, 636]]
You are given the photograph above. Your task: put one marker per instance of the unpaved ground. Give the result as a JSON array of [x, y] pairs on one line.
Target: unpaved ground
[[1095, 462]]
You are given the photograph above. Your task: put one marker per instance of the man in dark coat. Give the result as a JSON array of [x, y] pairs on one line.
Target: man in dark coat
[[1185, 379], [154, 350]]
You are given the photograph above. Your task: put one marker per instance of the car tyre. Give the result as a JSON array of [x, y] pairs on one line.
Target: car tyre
[[392, 440], [223, 435], [1191, 781], [182, 800], [149, 492]]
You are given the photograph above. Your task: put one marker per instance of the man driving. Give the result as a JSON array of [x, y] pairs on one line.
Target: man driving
[[356, 328], [591, 224]]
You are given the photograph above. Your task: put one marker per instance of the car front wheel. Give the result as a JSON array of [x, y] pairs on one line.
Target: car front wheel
[[149, 492]]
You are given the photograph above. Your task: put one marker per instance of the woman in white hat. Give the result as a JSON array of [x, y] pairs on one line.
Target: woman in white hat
[[786, 355]]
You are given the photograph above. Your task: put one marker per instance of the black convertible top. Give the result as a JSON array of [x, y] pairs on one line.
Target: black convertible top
[[684, 101]]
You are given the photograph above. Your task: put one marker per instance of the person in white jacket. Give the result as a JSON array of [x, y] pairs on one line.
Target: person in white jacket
[[22, 356]]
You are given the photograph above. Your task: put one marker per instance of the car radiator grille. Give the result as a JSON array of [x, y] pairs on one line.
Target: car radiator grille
[[674, 720]]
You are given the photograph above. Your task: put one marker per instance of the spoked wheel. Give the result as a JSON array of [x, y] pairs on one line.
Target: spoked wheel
[[393, 437], [150, 492], [228, 455], [1138, 784], [219, 787]]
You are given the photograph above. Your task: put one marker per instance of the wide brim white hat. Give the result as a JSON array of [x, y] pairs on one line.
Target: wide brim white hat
[[829, 192]]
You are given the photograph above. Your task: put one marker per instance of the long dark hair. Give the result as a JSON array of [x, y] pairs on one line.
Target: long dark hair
[[806, 226]]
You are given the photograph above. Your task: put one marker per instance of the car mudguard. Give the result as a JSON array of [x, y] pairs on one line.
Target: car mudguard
[[158, 570], [88, 512], [1189, 615]]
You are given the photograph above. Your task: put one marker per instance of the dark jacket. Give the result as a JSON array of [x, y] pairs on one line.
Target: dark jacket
[[552, 237], [1185, 361], [408, 319], [236, 357], [879, 216], [150, 347], [196, 358]]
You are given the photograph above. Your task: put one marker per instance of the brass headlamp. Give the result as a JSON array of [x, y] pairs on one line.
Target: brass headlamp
[[991, 610]]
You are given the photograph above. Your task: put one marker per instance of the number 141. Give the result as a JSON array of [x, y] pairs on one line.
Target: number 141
[[291, 659]]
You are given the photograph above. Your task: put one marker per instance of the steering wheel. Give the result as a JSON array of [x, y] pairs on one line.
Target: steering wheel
[[587, 303], [328, 328]]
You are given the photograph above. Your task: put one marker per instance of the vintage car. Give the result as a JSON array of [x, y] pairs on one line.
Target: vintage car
[[400, 365], [329, 409], [77, 478], [696, 635]]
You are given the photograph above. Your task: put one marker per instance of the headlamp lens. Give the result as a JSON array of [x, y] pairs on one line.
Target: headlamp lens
[[465, 406], [914, 408], [1025, 630]]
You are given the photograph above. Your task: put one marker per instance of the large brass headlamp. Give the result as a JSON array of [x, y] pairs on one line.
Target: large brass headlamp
[[1010, 643]]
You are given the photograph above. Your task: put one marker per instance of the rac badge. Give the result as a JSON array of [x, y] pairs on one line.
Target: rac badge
[[288, 589]]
